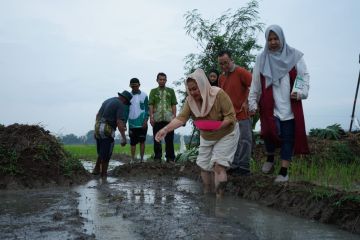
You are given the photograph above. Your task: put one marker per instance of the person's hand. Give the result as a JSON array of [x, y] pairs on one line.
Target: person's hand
[[123, 142], [244, 107], [160, 134], [294, 95], [252, 113], [144, 126]]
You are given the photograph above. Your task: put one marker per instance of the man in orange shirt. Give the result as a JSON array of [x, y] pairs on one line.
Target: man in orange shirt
[[236, 81]]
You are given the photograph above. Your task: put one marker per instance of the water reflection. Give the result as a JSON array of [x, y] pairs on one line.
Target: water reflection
[[270, 224], [89, 165], [96, 204], [176, 207]]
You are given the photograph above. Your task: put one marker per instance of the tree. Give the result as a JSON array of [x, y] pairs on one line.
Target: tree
[[89, 137], [70, 139], [235, 31]]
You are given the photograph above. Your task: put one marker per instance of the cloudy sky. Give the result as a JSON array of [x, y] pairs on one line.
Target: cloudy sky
[[59, 60]]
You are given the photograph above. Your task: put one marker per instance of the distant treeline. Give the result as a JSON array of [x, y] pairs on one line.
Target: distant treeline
[[89, 138]]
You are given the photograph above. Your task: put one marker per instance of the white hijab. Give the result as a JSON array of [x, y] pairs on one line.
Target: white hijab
[[208, 94], [275, 65]]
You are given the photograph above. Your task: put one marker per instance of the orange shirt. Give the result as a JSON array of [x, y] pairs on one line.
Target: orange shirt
[[237, 85]]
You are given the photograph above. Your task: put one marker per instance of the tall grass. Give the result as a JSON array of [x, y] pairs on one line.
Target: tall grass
[[327, 172], [88, 151]]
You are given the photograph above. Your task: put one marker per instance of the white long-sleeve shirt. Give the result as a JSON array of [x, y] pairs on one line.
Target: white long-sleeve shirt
[[281, 92]]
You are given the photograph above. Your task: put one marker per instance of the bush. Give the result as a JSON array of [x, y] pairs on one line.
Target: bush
[[332, 132]]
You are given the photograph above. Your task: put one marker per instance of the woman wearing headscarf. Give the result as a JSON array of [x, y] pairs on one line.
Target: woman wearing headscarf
[[213, 76], [217, 145], [280, 81]]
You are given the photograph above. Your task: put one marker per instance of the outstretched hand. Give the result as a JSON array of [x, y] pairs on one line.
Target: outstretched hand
[[160, 135]]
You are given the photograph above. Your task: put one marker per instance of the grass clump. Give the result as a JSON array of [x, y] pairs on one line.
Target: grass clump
[[332, 132], [9, 162]]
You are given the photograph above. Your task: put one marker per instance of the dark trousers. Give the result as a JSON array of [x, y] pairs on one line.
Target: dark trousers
[[169, 143], [104, 148], [286, 131]]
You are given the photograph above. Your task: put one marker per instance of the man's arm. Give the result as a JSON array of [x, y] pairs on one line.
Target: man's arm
[[122, 128], [173, 103], [151, 113], [146, 112], [173, 109], [246, 82]]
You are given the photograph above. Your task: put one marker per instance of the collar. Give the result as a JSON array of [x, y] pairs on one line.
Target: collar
[[231, 70], [134, 93]]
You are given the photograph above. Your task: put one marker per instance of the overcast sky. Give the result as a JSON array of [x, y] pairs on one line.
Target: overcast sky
[[59, 60]]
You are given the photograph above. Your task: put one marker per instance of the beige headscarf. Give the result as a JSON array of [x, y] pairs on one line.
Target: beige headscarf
[[208, 94]]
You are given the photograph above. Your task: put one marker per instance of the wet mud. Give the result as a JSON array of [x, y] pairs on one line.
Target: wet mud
[[155, 201], [44, 214], [302, 199]]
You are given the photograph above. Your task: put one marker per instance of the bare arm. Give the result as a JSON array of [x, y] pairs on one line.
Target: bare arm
[[173, 108], [122, 128], [151, 113]]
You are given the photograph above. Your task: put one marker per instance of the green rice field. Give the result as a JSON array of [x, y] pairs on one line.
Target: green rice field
[[88, 151]]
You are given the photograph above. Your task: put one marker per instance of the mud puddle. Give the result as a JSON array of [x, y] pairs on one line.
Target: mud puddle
[[40, 214], [173, 208]]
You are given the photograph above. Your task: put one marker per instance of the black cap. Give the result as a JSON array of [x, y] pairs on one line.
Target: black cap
[[134, 81], [126, 95]]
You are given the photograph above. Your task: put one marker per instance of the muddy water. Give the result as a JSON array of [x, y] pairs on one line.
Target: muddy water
[[174, 208], [146, 207], [40, 214]]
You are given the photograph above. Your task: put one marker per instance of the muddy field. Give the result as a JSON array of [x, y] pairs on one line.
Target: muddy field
[[149, 200], [296, 198]]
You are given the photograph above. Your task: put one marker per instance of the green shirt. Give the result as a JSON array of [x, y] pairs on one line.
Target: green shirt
[[162, 100]]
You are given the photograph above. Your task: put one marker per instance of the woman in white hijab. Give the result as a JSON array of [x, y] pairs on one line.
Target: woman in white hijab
[[217, 144], [280, 81]]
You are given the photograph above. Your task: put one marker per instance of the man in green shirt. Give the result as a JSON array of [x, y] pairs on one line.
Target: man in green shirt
[[162, 109]]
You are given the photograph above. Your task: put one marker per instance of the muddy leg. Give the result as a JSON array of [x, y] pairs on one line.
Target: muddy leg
[[96, 170], [220, 179], [104, 167], [212, 182], [133, 150], [142, 151], [206, 179]]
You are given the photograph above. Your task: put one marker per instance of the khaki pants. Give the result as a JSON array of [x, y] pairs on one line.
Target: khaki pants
[[219, 151]]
